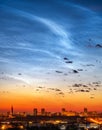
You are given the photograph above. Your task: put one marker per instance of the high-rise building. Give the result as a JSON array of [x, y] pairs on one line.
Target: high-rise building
[[11, 110], [43, 111], [85, 110], [63, 109], [35, 111]]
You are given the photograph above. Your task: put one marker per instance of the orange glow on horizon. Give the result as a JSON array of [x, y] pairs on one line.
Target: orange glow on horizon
[[26, 100]]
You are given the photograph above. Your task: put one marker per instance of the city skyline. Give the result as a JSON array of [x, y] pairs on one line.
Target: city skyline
[[44, 112], [51, 55], [12, 110]]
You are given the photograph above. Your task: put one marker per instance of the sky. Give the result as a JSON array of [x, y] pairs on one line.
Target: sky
[[50, 55]]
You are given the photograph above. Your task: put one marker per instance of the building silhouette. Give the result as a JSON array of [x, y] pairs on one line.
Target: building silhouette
[[35, 111], [85, 110], [43, 111], [12, 110]]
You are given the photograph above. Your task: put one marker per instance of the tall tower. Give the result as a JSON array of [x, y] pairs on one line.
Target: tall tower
[[85, 110], [42, 111], [35, 111], [11, 110], [63, 111]]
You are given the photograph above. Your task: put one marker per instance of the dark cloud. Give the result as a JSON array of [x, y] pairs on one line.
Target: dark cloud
[[77, 85], [90, 65], [61, 93], [98, 46], [65, 58], [82, 90], [57, 71], [19, 73], [92, 97], [80, 69], [69, 62], [51, 88], [97, 83], [75, 71], [90, 87], [85, 86], [41, 87], [56, 89], [95, 89]]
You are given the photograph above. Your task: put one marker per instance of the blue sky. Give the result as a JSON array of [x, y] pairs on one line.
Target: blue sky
[[36, 36]]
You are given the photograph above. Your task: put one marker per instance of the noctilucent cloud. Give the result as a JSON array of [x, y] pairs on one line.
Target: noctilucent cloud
[[54, 44]]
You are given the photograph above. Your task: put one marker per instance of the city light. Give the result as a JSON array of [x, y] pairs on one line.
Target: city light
[[3, 127]]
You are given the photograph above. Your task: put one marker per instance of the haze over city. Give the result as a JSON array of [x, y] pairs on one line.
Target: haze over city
[[50, 55]]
